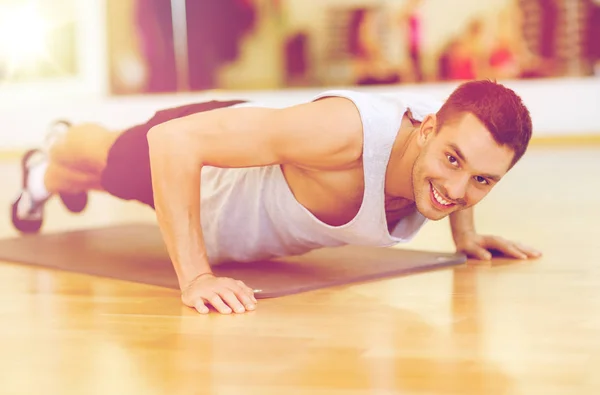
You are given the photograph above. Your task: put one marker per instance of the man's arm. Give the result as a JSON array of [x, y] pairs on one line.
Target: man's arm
[[462, 222], [322, 134]]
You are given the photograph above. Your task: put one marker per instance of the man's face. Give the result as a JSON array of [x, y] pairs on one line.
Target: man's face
[[457, 166]]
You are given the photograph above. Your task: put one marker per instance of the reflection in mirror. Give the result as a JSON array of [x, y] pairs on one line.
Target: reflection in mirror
[[275, 44]]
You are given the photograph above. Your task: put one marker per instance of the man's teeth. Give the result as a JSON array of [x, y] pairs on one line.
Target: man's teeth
[[439, 199]]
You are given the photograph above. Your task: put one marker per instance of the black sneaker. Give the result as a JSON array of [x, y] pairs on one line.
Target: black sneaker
[[27, 213], [74, 202]]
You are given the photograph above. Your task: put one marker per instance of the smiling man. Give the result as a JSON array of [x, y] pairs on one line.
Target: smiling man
[[234, 181]]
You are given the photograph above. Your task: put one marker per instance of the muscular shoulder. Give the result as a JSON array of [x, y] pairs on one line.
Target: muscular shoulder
[[325, 133]]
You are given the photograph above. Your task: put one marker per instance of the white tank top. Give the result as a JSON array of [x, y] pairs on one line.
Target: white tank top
[[250, 214]]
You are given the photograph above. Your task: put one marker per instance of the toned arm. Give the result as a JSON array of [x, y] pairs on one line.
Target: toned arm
[[325, 134], [462, 222], [322, 134]]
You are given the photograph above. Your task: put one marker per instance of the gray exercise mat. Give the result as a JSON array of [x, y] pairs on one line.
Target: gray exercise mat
[[136, 253]]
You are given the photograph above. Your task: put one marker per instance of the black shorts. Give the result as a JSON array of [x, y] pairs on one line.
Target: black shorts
[[127, 172]]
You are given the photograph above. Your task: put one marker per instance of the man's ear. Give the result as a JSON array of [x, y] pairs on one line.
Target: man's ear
[[427, 129]]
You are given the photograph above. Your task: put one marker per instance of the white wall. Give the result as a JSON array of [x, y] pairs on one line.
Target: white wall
[[558, 107]]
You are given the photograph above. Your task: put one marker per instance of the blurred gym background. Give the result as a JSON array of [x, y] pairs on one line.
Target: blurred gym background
[[119, 60]]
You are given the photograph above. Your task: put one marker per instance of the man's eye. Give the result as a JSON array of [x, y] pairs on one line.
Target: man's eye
[[452, 159], [481, 180]]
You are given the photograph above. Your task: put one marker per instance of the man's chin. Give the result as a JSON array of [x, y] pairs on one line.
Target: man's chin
[[433, 214]]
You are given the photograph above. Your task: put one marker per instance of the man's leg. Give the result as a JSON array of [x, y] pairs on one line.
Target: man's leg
[[127, 172], [90, 157], [77, 159], [68, 167]]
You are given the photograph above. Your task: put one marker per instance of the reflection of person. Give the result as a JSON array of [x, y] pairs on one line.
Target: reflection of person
[[470, 56], [464, 57], [155, 33], [232, 181], [536, 41], [512, 53], [475, 49], [507, 58], [592, 41], [370, 65], [410, 20], [503, 62], [446, 60], [214, 29]]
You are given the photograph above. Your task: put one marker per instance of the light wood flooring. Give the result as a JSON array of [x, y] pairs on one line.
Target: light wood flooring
[[510, 327]]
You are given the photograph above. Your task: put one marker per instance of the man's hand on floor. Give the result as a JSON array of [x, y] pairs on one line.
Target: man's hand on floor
[[480, 247], [226, 295]]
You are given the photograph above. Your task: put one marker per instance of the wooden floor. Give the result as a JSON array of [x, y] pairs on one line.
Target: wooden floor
[[504, 328]]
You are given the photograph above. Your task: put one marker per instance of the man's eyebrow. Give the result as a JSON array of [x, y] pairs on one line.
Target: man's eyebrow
[[491, 177], [461, 156], [458, 152]]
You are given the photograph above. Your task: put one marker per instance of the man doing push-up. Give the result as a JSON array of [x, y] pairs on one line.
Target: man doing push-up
[[234, 181]]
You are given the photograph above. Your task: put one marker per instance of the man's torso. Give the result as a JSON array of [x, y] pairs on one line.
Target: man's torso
[[335, 196], [270, 211]]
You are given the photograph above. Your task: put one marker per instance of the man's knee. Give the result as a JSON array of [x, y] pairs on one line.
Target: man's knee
[[84, 146]]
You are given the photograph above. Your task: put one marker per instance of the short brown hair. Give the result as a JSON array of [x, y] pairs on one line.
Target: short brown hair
[[500, 109]]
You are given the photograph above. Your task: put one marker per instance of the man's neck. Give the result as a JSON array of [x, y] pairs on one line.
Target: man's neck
[[402, 159]]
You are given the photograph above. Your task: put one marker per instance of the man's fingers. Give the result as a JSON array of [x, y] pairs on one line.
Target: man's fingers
[[218, 304], [528, 250], [480, 248], [232, 300], [242, 295], [506, 247], [248, 290], [481, 253], [224, 294], [201, 307], [475, 251]]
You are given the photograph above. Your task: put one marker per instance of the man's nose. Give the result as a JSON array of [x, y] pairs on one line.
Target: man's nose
[[456, 188]]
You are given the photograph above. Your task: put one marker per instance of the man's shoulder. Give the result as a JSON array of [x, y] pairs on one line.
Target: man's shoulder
[[371, 104], [348, 93], [420, 104]]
